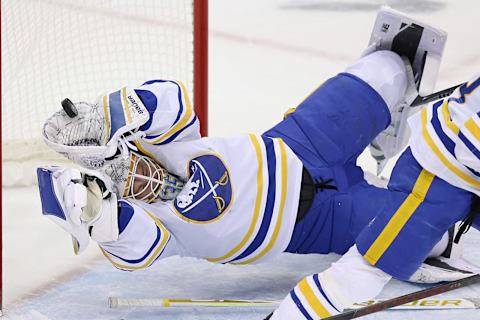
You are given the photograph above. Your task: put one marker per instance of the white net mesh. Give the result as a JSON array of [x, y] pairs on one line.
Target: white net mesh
[[52, 49]]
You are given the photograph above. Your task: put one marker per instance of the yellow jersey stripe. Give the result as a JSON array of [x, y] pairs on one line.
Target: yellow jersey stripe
[[258, 202], [473, 128], [400, 218], [156, 253], [312, 299], [448, 119], [125, 105], [426, 136], [106, 110], [184, 120], [145, 152], [283, 194], [126, 188], [288, 112]]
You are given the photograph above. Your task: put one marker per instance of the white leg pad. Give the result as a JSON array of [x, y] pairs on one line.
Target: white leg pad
[[385, 72], [352, 279]]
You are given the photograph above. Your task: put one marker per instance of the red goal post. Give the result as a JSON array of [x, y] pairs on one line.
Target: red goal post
[[52, 49]]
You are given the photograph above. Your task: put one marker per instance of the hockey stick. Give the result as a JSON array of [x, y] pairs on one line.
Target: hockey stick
[[115, 302], [419, 100], [429, 304], [402, 300], [441, 288], [424, 304]]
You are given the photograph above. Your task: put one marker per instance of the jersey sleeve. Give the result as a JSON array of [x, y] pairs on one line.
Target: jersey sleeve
[[468, 153], [142, 240], [171, 114], [445, 137]]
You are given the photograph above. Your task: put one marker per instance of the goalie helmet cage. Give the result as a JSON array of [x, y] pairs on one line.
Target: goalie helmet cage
[[52, 49]]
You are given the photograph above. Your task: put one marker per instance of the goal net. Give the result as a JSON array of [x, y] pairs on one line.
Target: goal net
[[53, 49]]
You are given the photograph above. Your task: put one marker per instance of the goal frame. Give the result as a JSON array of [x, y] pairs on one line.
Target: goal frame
[[200, 96]]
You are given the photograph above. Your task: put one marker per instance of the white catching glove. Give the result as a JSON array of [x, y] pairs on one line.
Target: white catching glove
[[81, 139], [80, 210], [93, 132]]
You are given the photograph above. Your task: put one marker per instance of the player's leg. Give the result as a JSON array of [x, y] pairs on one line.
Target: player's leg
[[411, 218], [400, 238], [337, 217], [327, 132], [340, 118]]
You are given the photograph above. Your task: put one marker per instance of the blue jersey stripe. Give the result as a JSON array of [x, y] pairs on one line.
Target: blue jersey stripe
[[134, 261], [117, 115], [319, 286], [469, 145], [176, 134], [268, 212], [150, 102], [464, 90], [299, 305], [160, 254], [179, 99], [158, 257], [446, 141], [125, 214]]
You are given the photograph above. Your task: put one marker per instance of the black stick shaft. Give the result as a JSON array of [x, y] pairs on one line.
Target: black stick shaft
[[435, 96], [398, 301], [422, 294]]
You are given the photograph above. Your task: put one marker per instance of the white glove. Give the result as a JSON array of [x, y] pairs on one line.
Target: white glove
[[93, 135]]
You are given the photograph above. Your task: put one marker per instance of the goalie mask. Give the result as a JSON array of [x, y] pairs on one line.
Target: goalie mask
[[141, 178]]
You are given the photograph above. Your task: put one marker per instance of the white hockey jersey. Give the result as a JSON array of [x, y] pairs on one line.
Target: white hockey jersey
[[239, 204], [446, 137]]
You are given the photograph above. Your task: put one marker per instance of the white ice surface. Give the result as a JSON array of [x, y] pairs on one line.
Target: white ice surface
[[265, 56]]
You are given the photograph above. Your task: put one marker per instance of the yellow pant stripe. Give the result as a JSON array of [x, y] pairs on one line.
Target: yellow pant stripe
[[400, 218], [313, 300]]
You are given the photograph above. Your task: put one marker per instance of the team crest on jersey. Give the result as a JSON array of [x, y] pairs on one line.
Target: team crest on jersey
[[208, 192]]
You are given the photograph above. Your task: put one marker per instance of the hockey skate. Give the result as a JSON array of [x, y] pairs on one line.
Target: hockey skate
[[450, 265], [421, 46]]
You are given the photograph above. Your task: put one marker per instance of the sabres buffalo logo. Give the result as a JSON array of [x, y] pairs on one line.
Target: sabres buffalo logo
[[208, 192]]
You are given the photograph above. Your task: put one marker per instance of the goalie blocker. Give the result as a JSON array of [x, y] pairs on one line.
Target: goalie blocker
[[82, 204]]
